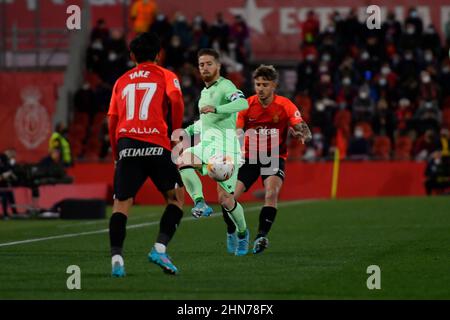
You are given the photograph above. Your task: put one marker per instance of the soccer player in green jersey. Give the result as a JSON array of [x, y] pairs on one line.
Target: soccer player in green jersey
[[219, 105]]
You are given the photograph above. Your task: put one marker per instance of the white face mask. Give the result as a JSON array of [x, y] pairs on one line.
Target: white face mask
[[359, 133], [363, 95], [320, 107], [426, 79], [346, 81], [382, 82], [428, 57], [385, 70]]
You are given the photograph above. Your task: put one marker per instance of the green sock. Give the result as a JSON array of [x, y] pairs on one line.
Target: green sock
[[237, 215], [192, 183]]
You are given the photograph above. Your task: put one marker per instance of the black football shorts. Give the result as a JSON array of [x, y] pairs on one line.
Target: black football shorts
[[139, 160], [249, 172]]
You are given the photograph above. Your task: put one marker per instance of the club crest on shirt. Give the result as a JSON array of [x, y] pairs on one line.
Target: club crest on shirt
[[276, 118]]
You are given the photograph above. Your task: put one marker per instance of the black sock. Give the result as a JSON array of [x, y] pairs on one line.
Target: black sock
[[231, 227], [169, 223], [117, 232], [266, 219]]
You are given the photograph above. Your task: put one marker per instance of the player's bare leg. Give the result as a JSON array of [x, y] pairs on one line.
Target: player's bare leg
[[272, 186], [117, 233], [168, 225], [191, 181], [235, 213]]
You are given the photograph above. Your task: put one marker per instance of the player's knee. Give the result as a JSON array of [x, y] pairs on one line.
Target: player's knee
[[226, 200], [271, 196], [175, 197], [122, 206]]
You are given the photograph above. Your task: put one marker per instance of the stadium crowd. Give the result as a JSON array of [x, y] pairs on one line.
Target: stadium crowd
[[372, 94]]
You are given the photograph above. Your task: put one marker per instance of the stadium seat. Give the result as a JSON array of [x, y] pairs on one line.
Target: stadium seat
[[446, 118], [403, 148], [382, 148]]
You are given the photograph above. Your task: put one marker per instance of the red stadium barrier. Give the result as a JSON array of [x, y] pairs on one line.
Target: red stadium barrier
[[303, 181]]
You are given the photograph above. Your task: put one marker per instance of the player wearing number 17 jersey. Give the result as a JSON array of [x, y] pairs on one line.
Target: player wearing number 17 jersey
[[146, 105]]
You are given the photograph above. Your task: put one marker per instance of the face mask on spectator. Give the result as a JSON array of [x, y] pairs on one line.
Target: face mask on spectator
[[97, 44], [365, 56], [331, 29], [428, 56], [385, 70], [326, 57], [320, 106], [359, 133], [310, 57], [414, 14], [363, 95], [428, 105], [426, 79], [346, 81], [181, 18], [382, 82], [160, 17], [408, 56], [198, 19], [323, 69], [86, 86], [410, 30], [317, 136], [112, 56], [446, 69]]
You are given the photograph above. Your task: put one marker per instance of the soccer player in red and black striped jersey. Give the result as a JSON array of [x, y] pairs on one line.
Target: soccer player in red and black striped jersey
[[146, 106], [267, 123]]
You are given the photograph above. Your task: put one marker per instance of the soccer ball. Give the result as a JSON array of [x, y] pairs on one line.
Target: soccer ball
[[220, 167]]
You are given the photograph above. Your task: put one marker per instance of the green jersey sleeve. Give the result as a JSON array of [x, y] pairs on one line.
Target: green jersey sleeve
[[235, 98]]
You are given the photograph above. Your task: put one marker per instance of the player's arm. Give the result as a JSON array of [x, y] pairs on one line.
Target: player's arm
[[113, 120], [236, 98], [300, 129]]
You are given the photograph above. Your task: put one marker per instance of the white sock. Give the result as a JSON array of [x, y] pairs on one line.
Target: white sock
[[160, 248], [117, 258]]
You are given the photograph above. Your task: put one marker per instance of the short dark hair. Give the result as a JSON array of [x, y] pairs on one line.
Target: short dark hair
[[268, 72], [145, 47], [209, 52]]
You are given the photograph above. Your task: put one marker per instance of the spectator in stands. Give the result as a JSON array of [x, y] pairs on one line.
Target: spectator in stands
[[383, 123], [117, 56], [100, 31], [310, 28], [183, 30], [444, 78], [163, 28], [416, 21], [219, 32], [59, 141], [391, 28], [425, 145], [84, 100], [200, 32], [431, 40], [363, 105], [359, 147], [240, 33], [175, 54], [143, 14], [437, 173], [7, 163]]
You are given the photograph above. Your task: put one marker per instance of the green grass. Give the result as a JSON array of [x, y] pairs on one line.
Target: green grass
[[319, 250]]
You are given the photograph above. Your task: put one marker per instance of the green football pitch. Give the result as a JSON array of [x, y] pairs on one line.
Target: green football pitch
[[318, 250]]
